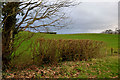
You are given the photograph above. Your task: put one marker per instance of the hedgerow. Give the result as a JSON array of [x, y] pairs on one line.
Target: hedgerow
[[53, 51]]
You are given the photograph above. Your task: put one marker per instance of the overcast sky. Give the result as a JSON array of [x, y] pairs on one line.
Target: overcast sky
[[92, 17]]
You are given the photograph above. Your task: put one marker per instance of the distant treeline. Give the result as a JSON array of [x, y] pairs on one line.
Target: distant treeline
[[46, 32], [49, 32], [109, 31]]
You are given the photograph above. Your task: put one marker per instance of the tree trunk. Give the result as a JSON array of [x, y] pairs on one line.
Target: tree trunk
[[7, 35], [7, 40]]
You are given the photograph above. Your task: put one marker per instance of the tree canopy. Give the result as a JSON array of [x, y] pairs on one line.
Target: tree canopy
[[44, 12]]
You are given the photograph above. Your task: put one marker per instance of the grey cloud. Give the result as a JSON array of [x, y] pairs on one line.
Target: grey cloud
[[92, 17]]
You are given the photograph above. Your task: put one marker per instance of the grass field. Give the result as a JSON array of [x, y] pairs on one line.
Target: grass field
[[111, 40], [99, 68]]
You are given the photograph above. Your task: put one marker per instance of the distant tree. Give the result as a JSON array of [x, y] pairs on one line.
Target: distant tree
[[118, 31], [106, 31], [110, 31]]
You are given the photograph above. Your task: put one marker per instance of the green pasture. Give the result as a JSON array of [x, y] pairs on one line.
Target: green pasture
[[111, 40], [24, 49]]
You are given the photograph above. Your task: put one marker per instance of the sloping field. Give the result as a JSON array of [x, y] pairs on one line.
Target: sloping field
[[24, 50], [111, 40]]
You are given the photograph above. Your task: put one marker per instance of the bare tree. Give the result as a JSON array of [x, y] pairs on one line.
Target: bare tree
[[44, 12]]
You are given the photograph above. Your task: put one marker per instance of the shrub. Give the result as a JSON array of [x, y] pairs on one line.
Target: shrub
[[52, 51]]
